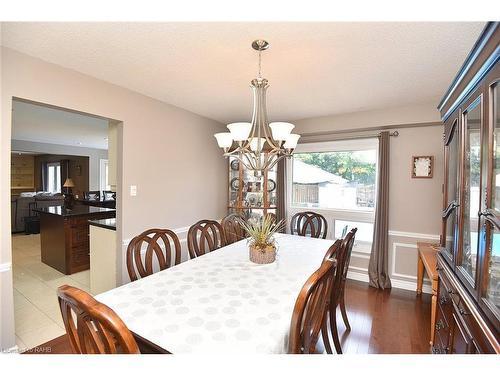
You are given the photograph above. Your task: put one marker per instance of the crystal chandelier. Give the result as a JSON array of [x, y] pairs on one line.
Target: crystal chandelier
[[259, 144]]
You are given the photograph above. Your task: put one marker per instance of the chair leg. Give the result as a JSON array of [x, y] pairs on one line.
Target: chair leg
[[344, 313], [333, 328], [326, 340]]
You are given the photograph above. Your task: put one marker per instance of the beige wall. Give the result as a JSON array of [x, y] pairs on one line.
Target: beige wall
[[415, 204], [169, 153], [412, 114]]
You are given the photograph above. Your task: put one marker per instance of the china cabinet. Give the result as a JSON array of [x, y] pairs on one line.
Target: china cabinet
[[249, 195], [468, 317]]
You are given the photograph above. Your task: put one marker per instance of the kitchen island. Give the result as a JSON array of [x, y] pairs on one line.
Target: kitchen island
[[64, 235]]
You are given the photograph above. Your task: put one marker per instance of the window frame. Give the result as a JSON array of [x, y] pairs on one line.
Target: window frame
[[103, 163], [333, 214], [56, 165]]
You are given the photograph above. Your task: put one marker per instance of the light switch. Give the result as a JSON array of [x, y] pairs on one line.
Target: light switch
[[133, 190]]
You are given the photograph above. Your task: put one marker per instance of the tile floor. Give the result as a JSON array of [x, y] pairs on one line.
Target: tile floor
[[37, 314]]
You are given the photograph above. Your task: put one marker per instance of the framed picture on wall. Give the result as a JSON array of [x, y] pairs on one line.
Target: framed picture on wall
[[422, 166]]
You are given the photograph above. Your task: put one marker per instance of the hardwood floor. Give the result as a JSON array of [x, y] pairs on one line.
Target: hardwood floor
[[383, 321]]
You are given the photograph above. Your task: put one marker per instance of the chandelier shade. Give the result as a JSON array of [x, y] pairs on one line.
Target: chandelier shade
[[281, 130], [259, 136], [224, 140]]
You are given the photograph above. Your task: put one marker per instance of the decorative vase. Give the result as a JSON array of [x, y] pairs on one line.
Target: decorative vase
[[262, 255]]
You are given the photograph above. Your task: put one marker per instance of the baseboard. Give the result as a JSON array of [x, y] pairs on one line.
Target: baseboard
[[396, 283]]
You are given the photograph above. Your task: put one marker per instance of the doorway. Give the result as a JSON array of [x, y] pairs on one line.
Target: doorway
[[57, 164]]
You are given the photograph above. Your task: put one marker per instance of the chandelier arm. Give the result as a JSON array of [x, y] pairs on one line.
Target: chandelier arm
[[240, 159], [252, 165], [278, 159]]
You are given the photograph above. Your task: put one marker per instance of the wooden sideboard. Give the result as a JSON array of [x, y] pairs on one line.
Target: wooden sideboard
[[468, 317], [64, 236]]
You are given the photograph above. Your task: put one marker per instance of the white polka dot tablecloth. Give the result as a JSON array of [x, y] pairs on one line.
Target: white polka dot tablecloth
[[220, 302]]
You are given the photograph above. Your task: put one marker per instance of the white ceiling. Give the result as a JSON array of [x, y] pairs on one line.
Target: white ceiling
[[38, 123], [314, 69]]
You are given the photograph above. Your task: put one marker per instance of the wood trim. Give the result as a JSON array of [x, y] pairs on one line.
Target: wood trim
[[465, 297], [481, 59]]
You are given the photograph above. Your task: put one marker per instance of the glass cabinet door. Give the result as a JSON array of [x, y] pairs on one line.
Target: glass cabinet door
[[452, 141], [471, 195], [491, 263]]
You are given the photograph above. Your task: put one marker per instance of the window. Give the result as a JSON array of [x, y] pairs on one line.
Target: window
[[338, 180], [54, 177], [335, 179], [103, 175]]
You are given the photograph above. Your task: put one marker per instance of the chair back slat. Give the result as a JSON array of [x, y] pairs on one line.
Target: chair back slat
[[309, 224], [92, 327], [233, 231], [162, 248], [205, 236]]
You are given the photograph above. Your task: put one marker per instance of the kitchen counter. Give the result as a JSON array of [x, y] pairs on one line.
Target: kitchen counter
[[104, 223], [77, 210], [64, 235]]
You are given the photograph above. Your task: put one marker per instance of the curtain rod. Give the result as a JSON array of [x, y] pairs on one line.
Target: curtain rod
[[391, 134]]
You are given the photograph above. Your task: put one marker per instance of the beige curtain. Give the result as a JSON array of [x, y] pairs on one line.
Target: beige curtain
[[378, 268], [281, 191]]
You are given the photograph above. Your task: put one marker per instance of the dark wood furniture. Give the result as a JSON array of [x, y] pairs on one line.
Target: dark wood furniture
[[163, 249], [427, 261], [108, 195], [248, 195], [468, 317], [93, 195], [205, 236], [309, 224], [64, 236], [310, 310], [343, 257], [92, 327], [106, 203], [233, 231]]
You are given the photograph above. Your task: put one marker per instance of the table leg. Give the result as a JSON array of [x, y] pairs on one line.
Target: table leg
[[420, 274], [433, 312]]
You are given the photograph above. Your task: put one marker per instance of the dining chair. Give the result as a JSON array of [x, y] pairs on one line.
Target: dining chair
[[93, 195], [108, 195], [233, 231], [92, 327], [310, 224], [163, 246], [205, 236], [310, 311], [338, 291]]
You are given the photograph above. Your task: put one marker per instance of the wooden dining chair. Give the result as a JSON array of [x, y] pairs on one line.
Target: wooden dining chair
[[205, 236], [233, 231], [92, 327], [162, 251], [338, 291], [310, 311], [309, 224]]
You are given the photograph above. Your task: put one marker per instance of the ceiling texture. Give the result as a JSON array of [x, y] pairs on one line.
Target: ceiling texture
[[314, 69], [37, 123]]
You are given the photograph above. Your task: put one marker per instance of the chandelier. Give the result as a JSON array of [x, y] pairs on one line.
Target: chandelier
[[259, 145]]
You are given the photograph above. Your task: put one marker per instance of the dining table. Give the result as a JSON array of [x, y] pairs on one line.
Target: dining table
[[220, 302]]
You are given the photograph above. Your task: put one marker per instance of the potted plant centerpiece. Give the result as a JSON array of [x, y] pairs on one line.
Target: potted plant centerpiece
[[262, 245]]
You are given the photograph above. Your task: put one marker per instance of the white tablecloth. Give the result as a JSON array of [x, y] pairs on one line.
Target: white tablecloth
[[220, 302]]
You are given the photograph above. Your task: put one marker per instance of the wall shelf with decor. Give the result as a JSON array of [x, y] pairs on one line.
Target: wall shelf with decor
[[248, 195]]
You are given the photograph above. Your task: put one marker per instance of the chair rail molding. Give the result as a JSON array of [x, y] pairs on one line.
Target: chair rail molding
[[424, 236]]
